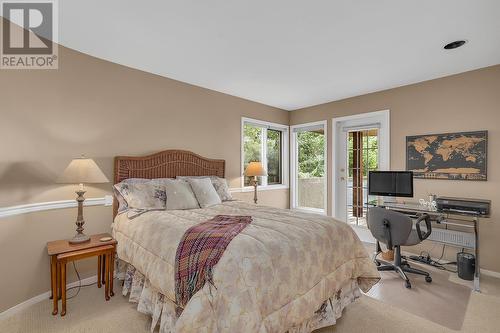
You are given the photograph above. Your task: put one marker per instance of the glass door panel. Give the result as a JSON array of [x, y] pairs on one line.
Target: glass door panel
[[362, 158]]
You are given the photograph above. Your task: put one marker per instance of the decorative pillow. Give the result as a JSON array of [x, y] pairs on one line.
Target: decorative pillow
[[142, 193], [222, 188], [220, 185], [122, 204], [204, 191], [179, 195]]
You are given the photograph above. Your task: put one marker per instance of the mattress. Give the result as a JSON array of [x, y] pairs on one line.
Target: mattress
[[273, 277]]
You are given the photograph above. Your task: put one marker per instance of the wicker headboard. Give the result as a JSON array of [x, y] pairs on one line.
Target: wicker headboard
[[165, 164]]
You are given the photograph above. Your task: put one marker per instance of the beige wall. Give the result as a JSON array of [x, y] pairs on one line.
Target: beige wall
[[465, 102], [101, 109]]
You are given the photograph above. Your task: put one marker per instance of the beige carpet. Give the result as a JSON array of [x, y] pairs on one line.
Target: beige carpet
[[90, 313], [370, 315], [450, 298]]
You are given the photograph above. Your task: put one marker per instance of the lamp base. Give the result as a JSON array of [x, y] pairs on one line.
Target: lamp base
[[79, 238], [255, 183]]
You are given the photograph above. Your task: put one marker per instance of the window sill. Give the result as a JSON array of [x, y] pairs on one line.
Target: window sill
[[259, 188], [310, 210]]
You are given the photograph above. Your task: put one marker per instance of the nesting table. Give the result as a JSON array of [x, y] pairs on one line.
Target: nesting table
[[61, 253]]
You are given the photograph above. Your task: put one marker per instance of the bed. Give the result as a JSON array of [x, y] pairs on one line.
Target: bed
[[286, 272]]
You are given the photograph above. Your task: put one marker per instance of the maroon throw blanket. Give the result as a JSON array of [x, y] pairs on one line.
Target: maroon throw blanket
[[198, 252]]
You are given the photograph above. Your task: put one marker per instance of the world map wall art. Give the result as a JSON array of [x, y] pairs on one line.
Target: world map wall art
[[458, 156]]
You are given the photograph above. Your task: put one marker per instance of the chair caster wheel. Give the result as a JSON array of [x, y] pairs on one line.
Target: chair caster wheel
[[428, 279], [408, 284]]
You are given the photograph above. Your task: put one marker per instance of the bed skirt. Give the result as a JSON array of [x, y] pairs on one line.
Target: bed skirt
[[162, 310]]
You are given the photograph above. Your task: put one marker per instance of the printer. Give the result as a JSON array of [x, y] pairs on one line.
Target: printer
[[478, 207]]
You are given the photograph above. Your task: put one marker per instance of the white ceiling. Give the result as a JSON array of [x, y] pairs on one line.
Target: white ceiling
[[287, 53]]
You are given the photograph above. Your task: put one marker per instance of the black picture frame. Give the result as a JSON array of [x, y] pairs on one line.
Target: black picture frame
[[481, 176]]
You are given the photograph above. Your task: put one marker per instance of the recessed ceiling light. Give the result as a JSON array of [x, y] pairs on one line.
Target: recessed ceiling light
[[454, 45]]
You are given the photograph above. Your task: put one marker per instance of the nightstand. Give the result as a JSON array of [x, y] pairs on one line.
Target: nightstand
[[62, 252]]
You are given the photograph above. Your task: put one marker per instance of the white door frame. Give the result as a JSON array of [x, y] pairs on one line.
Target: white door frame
[[339, 158], [293, 166]]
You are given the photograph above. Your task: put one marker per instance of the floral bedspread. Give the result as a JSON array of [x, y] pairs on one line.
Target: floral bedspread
[[274, 276]]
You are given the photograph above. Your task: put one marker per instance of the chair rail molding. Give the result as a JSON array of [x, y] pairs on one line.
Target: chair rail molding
[[50, 205]]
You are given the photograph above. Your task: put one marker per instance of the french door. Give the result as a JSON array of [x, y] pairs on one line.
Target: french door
[[361, 144]]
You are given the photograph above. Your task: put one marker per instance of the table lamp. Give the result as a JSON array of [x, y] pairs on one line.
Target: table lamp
[[81, 171], [255, 169]]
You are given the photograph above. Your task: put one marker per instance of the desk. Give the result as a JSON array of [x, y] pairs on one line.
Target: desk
[[444, 218]]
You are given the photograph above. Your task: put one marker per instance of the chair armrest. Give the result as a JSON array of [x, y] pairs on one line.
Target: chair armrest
[[427, 220], [387, 226]]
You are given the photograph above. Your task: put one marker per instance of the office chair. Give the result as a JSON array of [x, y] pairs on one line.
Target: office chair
[[396, 229]]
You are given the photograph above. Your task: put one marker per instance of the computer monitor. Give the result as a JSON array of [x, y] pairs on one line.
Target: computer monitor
[[390, 183]]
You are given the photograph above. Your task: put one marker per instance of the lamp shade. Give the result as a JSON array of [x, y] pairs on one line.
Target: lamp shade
[[255, 169], [82, 171]]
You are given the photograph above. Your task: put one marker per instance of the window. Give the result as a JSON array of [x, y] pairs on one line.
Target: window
[[266, 143]]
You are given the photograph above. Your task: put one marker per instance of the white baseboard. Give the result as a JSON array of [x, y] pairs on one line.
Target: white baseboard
[[490, 273], [22, 306]]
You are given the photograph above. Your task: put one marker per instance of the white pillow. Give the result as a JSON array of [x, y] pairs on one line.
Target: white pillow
[[204, 191], [220, 185], [179, 195]]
